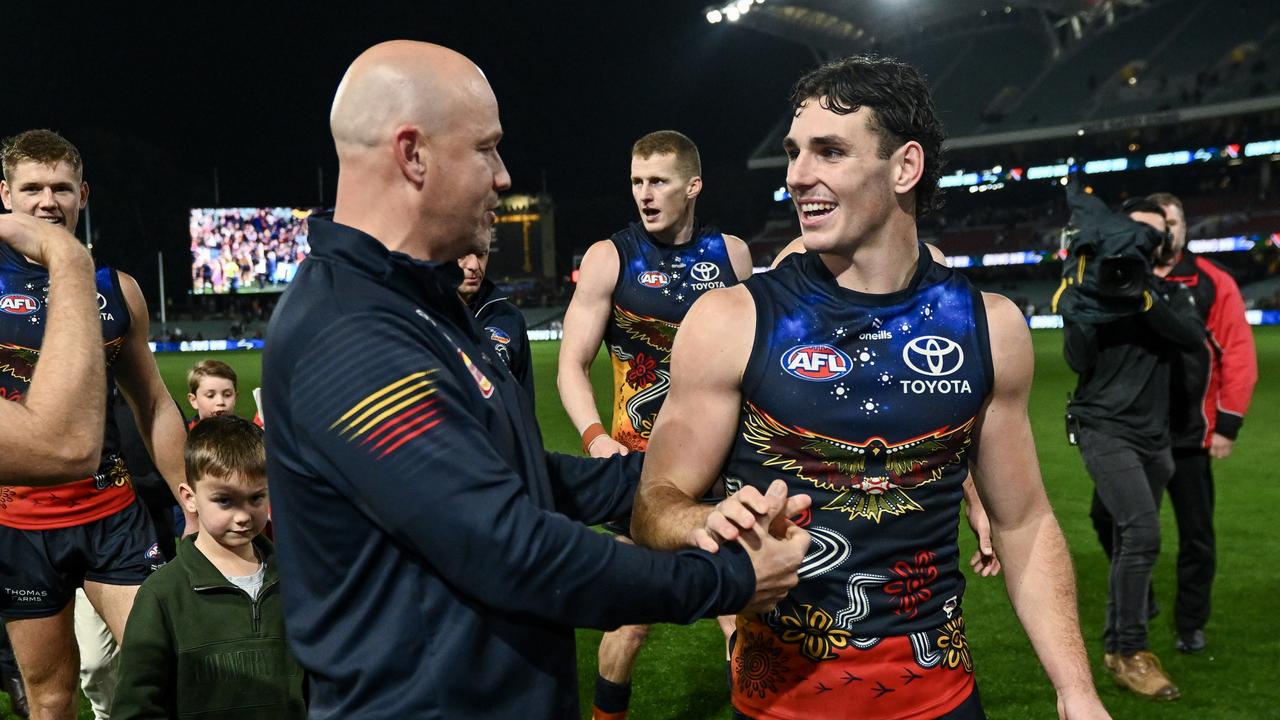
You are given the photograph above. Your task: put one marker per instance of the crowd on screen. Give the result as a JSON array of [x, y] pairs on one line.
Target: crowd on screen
[[239, 249]]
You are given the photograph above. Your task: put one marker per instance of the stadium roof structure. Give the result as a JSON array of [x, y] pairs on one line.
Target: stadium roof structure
[[841, 27], [1007, 71]]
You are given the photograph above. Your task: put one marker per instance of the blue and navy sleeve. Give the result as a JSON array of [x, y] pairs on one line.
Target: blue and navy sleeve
[[394, 429]]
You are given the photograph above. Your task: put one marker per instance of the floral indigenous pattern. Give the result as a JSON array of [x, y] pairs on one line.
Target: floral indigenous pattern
[[634, 441], [641, 371], [955, 646], [816, 632], [910, 585], [759, 665]]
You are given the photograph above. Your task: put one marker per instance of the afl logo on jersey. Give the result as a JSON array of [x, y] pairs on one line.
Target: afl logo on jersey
[[17, 304], [933, 355], [496, 335], [653, 279], [816, 362]]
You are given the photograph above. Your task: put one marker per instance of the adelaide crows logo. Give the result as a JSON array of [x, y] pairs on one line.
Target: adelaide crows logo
[[870, 477]]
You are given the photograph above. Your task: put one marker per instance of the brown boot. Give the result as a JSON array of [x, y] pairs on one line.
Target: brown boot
[[1141, 673], [1111, 661]]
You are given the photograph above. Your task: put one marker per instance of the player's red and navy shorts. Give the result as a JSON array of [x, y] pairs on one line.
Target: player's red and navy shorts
[[41, 569], [811, 668]]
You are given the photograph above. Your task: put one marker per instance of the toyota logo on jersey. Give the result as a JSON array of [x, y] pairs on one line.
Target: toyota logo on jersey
[[933, 355], [653, 279], [705, 271], [816, 362], [18, 304]]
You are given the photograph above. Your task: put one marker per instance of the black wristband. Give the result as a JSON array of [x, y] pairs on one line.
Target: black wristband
[[1228, 424]]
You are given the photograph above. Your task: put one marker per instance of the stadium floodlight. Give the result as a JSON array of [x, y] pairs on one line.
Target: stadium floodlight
[[731, 11]]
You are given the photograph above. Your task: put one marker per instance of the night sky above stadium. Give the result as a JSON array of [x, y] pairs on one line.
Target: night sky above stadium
[[156, 100]]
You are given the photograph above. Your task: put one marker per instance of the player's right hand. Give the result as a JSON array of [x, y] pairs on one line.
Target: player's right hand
[[775, 559], [38, 240], [604, 446]]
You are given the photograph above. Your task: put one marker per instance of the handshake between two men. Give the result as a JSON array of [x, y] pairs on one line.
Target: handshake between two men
[[760, 523]]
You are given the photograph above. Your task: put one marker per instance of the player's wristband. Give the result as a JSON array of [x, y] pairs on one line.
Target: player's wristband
[[594, 431]]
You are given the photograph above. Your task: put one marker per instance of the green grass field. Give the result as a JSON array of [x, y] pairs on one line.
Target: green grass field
[[681, 672]]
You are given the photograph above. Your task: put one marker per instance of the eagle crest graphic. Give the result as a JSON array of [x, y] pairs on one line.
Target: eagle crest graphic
[[18, 362], [872, 477], [657, 334]]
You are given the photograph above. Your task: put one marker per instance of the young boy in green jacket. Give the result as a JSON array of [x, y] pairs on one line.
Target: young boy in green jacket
[[206, 635]]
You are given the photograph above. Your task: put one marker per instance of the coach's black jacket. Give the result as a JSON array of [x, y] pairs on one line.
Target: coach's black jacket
[[429, 562]]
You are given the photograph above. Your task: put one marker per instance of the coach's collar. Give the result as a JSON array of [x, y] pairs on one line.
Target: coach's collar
[[426, 282]]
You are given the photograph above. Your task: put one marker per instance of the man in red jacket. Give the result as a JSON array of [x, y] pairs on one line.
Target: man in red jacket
[[1210, 394]]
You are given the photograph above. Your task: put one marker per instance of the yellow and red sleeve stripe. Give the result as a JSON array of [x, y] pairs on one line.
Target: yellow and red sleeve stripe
[[392, 415]]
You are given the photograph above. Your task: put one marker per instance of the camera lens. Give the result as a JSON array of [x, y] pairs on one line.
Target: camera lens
[[1121, 277]]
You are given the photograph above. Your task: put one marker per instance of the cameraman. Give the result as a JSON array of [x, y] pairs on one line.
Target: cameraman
[[1123, 328], [1212, 387]]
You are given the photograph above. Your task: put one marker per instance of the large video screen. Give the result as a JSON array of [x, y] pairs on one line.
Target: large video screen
[[246, 250]]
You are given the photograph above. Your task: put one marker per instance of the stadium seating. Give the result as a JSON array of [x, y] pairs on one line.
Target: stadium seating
[[1178, 52], [996, 66]]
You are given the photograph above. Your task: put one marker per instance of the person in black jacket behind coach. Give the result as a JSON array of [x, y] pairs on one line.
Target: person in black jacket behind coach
[[499, 319]]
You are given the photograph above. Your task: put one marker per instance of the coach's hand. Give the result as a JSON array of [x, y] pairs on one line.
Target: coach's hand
[[775, 558], [743, 510], [40, 241]]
